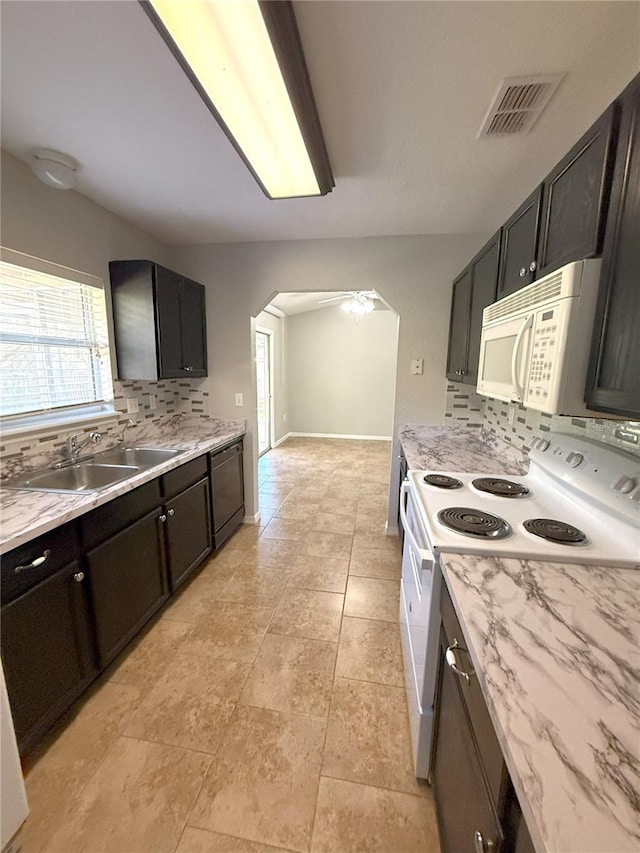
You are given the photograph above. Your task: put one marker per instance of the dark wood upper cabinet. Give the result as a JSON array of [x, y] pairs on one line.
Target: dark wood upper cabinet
[[473, 290], [459, 326], [613, 383], [576, 198], [159, 320], [518, 257]]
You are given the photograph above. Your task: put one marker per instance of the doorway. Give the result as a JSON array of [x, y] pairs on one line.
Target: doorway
[[263, 389]]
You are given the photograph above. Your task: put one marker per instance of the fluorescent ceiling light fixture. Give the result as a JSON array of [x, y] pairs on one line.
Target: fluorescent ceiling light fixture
[[245, 59]]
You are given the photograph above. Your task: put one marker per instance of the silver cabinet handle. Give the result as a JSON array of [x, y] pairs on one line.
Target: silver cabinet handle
[[171, 512], [39, 561], [450, 657], [523, 272], [188, 369], [480, 845], [533, 266], [162, 517], [78, 577]]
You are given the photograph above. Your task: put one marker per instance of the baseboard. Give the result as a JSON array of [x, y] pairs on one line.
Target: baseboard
[[338, 435], [391, 529], [280, 440], [251, 519]]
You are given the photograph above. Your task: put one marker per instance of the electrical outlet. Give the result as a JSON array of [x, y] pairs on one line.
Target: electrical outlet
[[417, 366], [132, 406], [152, 401], [239, 399]]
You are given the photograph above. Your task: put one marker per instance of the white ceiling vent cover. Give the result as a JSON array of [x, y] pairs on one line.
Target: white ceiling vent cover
[[518, 103]]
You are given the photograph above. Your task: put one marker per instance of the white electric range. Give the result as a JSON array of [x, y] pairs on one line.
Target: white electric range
[[579, 503]]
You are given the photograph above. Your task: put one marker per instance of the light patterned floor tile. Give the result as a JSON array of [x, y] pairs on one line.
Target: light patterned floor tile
[[254, 585], [372, 598], [201, 841], [293, 675], [234, 634], [317, 544], [145, 661], [328, 574], [263, 782], [308, 613], [370, 651], [371, 563]]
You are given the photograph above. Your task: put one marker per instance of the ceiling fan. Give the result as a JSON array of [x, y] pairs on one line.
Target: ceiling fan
[[359, 301]]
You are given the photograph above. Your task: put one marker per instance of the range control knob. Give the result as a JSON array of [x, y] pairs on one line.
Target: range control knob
[[574, 459], [625, 485], [543, 444]]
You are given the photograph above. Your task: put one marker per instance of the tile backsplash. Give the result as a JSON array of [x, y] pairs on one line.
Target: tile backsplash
[[462, 404], [172, 396]]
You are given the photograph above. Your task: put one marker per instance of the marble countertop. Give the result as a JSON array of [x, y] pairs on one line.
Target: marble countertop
[[25, 515], [460, 448], [556, 649]]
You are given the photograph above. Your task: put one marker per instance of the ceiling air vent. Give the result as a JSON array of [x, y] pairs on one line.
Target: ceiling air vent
[[518, 103]]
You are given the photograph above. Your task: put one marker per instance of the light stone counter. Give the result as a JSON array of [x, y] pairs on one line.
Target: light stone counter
[[460, 448], [557, 652], [25, 515]]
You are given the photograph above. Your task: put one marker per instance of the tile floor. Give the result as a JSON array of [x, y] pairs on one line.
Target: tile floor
[[264, 708]]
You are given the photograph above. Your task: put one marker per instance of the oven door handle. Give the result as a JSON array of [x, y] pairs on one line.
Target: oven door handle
[[515, 358], [425, 555]]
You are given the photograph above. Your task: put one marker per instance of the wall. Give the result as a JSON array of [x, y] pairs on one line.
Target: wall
[[342, 373], [278, 326], [412, 274]]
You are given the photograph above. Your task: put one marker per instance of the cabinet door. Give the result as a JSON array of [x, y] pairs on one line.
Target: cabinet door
[[576, 198], [613, 384], [484, 285], [519, 246], [193, 328], [128, 584], [459, 327], [47, 652], [462, 801], [167, 293], [188, 531]]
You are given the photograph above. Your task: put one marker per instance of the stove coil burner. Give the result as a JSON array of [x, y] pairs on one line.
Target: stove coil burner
[[558, 532], [442, 481], [502, 488], [474, 522]]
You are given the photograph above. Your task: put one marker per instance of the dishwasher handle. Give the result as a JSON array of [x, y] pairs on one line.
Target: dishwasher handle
[[424, 553]]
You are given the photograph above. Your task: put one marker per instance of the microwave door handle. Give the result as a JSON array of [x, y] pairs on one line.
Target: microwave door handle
[[425, 556], [515, 358]]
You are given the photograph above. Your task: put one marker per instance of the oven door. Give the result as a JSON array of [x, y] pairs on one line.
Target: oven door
[[419, 626], [505, 350]]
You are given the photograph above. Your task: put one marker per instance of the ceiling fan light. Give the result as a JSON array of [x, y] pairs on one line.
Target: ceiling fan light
[[55, 169]]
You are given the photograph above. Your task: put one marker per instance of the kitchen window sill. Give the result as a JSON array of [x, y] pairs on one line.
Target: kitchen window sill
[[47, 423]]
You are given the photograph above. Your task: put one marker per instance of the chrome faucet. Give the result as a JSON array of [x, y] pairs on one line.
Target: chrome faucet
[[122, 439], [74, 446]]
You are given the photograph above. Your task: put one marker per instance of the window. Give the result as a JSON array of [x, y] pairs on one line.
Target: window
[[54, 345]]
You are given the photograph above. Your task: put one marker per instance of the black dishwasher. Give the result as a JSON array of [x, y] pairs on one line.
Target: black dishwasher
[[227, 491]]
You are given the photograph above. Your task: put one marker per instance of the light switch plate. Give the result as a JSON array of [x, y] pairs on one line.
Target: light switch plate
[[239, 399], [132, 405]]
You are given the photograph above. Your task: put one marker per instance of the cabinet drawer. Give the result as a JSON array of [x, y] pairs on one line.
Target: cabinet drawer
[[55, 549], [484, 734], [99, 525], [181, 478]]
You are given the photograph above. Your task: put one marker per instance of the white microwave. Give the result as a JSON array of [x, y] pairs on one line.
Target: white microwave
[[535, 343]]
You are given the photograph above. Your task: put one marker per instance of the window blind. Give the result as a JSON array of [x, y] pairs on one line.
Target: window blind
[[54, 345]]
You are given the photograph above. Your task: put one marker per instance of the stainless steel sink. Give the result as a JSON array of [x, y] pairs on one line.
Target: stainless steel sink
[[82, 477], [141, 457]]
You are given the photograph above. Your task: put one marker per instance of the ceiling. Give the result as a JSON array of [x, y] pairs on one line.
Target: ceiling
[[401, 88]]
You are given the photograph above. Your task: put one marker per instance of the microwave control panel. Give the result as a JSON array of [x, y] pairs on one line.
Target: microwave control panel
[[544, 353]]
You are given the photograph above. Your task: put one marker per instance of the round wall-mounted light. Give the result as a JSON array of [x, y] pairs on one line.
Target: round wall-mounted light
[[54, 169]]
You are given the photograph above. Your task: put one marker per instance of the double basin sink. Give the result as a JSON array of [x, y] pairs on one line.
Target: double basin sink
[[105, 469]]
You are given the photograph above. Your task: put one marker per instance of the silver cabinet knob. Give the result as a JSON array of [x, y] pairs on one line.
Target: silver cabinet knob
[[480, 845], [78, 577], [171, 512], [523, 272], [162, 517], [533, 266], [188, 369]]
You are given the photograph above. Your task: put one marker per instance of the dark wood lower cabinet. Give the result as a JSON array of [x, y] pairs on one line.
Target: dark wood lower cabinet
[[188, 531], [47, 651], [128, 583], [465, 813]]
